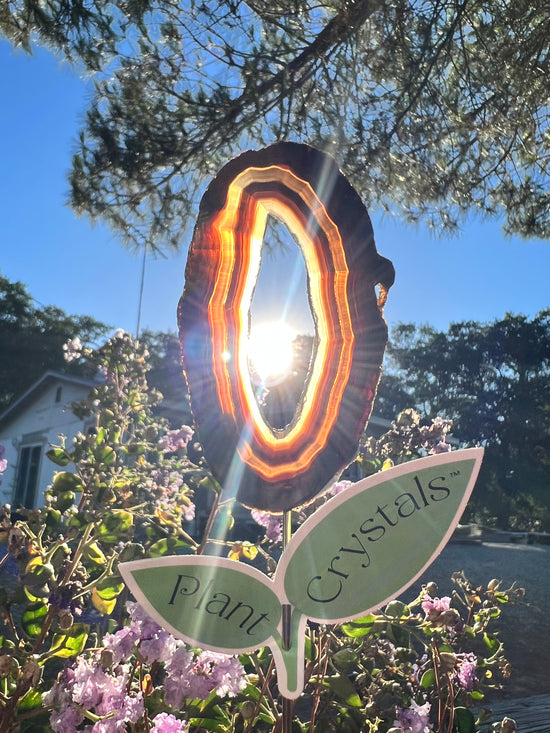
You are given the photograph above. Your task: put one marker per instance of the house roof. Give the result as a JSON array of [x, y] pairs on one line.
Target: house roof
[[35, 390]]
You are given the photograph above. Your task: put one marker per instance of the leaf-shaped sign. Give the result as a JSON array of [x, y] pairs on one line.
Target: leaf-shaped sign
[[362, 548], [211, 602], [369, 543]]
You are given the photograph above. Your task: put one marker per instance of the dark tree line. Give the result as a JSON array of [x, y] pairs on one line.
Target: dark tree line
[[32, 338], [493, 381]]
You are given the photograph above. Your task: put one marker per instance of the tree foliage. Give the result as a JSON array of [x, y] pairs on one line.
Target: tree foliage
[[492, 380], [431, 108], [32, 338]]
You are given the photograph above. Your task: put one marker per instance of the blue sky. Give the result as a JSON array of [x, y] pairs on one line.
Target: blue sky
[[85, 269]]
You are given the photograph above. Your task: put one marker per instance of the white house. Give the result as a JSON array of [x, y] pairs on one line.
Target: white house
[[29, 427]]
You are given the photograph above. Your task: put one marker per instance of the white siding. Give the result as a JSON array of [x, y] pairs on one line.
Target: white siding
[[39, 424]]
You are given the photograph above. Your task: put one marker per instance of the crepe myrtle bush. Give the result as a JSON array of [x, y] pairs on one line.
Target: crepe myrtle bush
[[78, 654]]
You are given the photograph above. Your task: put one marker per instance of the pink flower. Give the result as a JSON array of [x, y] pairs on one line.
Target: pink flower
[[189, 513], [166, 723], [434, 607]]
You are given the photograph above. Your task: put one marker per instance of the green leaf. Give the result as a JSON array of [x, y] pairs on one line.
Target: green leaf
[[33, 618], [109, 588], [58, 456], [344, 659], [115, 525], [428, 679], [94, 554], [32, 699], [464, 721], [492, 643], [398, 634], [107, 456], [53, 519], [131, 551], [70, 643], [359, 627], [345, 690], [476, 695], [66, 481], [166, 546], [396, 609]]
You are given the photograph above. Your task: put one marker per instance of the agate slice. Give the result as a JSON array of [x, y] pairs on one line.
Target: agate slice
[[263, 467]]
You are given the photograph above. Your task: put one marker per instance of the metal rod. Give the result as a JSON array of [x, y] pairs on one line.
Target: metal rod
[[287, 609], [288, 705], [141, 283]]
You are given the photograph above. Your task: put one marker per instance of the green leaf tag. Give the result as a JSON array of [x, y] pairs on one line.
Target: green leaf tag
[[357, 552]]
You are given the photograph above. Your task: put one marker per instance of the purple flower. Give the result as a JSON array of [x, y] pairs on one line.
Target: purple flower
[[60, 694], [441, 447], [273, 525], [465, 674], [190, 677], [145, 625], [338, 487], [122, 642], [158, 648], [87, 688], [175, 439], [414, 719], [166, 723], [65, 720], [189, 513]]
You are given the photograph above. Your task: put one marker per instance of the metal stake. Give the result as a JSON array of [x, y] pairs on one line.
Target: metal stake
[[288, 705]]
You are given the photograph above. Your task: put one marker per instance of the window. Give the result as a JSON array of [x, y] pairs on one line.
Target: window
[[58, 394], [27, 475]]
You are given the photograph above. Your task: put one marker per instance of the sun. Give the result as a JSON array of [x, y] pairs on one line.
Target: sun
[[270, 350]]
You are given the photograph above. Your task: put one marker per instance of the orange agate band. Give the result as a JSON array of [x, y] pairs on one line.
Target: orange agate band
[[276, 469]]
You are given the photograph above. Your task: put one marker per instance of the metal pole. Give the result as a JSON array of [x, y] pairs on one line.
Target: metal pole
[[288, 705], [141, 283]]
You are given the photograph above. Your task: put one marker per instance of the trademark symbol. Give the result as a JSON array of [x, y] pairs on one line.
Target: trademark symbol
[[455, 473]]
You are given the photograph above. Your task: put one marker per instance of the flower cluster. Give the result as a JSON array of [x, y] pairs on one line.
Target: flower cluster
[[438, 612], [176, 439], [90, 691], [465, 674], [272, 524], [408, 439], [433, 436], [414, 719], [167, 484], [101, 689], [72, 350]]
